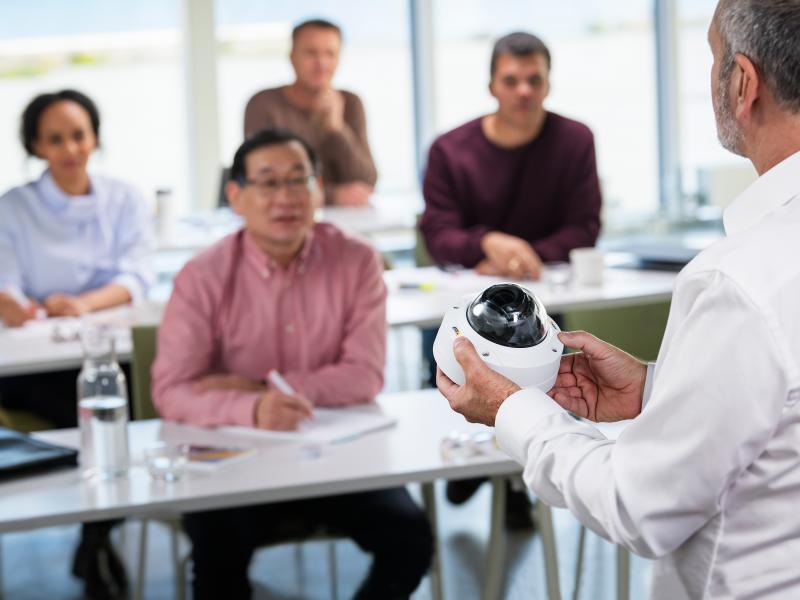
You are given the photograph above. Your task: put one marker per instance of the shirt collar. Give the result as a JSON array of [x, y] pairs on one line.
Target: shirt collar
[[76, 208], [266, 265], [773, 189]]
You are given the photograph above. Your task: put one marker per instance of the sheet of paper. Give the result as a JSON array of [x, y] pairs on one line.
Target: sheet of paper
[[329, 425]]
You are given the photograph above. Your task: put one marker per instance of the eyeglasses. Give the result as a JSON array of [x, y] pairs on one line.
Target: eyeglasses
[[298, 185]]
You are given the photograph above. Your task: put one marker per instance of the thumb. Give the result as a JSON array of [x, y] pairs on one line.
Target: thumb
[[586, 342], [466, 355]]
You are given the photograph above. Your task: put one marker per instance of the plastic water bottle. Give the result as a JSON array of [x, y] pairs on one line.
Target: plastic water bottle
[[102, 407]]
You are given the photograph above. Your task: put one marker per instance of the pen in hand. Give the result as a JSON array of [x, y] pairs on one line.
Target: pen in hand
[[277, 380]]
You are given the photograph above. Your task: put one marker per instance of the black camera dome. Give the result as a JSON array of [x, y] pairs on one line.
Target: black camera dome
[[509, 315]]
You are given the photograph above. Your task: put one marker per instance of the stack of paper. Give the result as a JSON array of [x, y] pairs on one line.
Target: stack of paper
[[329, 425]]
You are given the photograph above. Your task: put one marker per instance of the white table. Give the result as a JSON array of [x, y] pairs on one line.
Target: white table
[[385, 215], [280, 470], [52, 344], [425, 307], [31, 349]]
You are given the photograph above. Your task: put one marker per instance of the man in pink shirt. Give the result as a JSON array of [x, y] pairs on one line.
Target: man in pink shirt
[[306, 300]]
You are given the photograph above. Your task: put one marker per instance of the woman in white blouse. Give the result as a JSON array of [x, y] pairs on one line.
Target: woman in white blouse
[[70, 242]]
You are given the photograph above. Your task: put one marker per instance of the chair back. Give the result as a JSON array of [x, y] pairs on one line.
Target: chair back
[[636, 329], [222, 199], [421, 256], [144, 353]]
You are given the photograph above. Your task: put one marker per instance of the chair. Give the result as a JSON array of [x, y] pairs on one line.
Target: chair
[[638, 330], [422, 257], [222, 199], [24, 421], [144, 351]]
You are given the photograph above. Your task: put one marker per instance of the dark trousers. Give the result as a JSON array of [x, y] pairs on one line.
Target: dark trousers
[[50, 396], [385, 523]]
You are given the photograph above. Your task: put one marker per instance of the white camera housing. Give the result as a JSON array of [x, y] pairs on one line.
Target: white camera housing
[[511, 332]]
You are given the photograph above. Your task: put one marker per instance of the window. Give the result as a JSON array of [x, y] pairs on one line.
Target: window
[[603, 75], [254, 42], [125, 56], [710, 175]]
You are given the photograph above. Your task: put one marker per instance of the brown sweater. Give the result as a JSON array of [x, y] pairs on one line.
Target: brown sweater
[[344, 155]]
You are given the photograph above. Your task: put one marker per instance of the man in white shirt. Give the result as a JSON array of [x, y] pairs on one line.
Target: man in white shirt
[[706, 477]]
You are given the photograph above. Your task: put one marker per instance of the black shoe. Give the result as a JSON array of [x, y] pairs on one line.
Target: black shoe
[[458, 492], [519, 511], [101, 569]]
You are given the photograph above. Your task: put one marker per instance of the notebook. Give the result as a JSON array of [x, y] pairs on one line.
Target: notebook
[[329, 425], [20, 454], [205, 457]]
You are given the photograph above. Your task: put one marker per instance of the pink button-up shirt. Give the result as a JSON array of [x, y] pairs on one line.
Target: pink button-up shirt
[[321, 322]]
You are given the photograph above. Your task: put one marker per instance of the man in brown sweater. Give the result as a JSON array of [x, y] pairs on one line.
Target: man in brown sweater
[[331, 120]]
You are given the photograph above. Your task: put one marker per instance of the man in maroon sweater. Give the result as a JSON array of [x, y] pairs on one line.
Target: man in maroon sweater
[[516, 188], [509, 191]]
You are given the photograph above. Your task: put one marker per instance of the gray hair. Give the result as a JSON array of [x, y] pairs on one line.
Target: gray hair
[[768, 33]]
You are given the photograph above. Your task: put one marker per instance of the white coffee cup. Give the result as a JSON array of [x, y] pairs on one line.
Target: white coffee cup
[[587, 265]]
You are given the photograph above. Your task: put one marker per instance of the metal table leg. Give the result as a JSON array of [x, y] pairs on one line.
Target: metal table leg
[[623, 574], [141, 574], [495, 561], [579, 563], [429, 500], [544, 523], [1, 567]]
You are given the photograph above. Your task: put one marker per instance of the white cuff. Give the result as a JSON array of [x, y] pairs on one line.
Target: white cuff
[[517, 415], [133, 284], [17, 294], [648, 383]]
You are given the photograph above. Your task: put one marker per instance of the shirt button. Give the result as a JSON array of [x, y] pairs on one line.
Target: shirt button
[[289, 328], [264, 274], [302, 269]]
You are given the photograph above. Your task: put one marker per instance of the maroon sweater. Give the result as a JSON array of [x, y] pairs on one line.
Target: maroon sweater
[[546, 192]]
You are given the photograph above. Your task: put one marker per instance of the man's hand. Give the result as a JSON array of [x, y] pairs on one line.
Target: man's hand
[[63, 305], [280, 412], [600, 383], [511, 256], [355, 193], [228, 381], [13, 313], [484, 390], [328, 110], [486, 267]]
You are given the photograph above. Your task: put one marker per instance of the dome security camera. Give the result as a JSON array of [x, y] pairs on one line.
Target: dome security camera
[[511, 332]]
